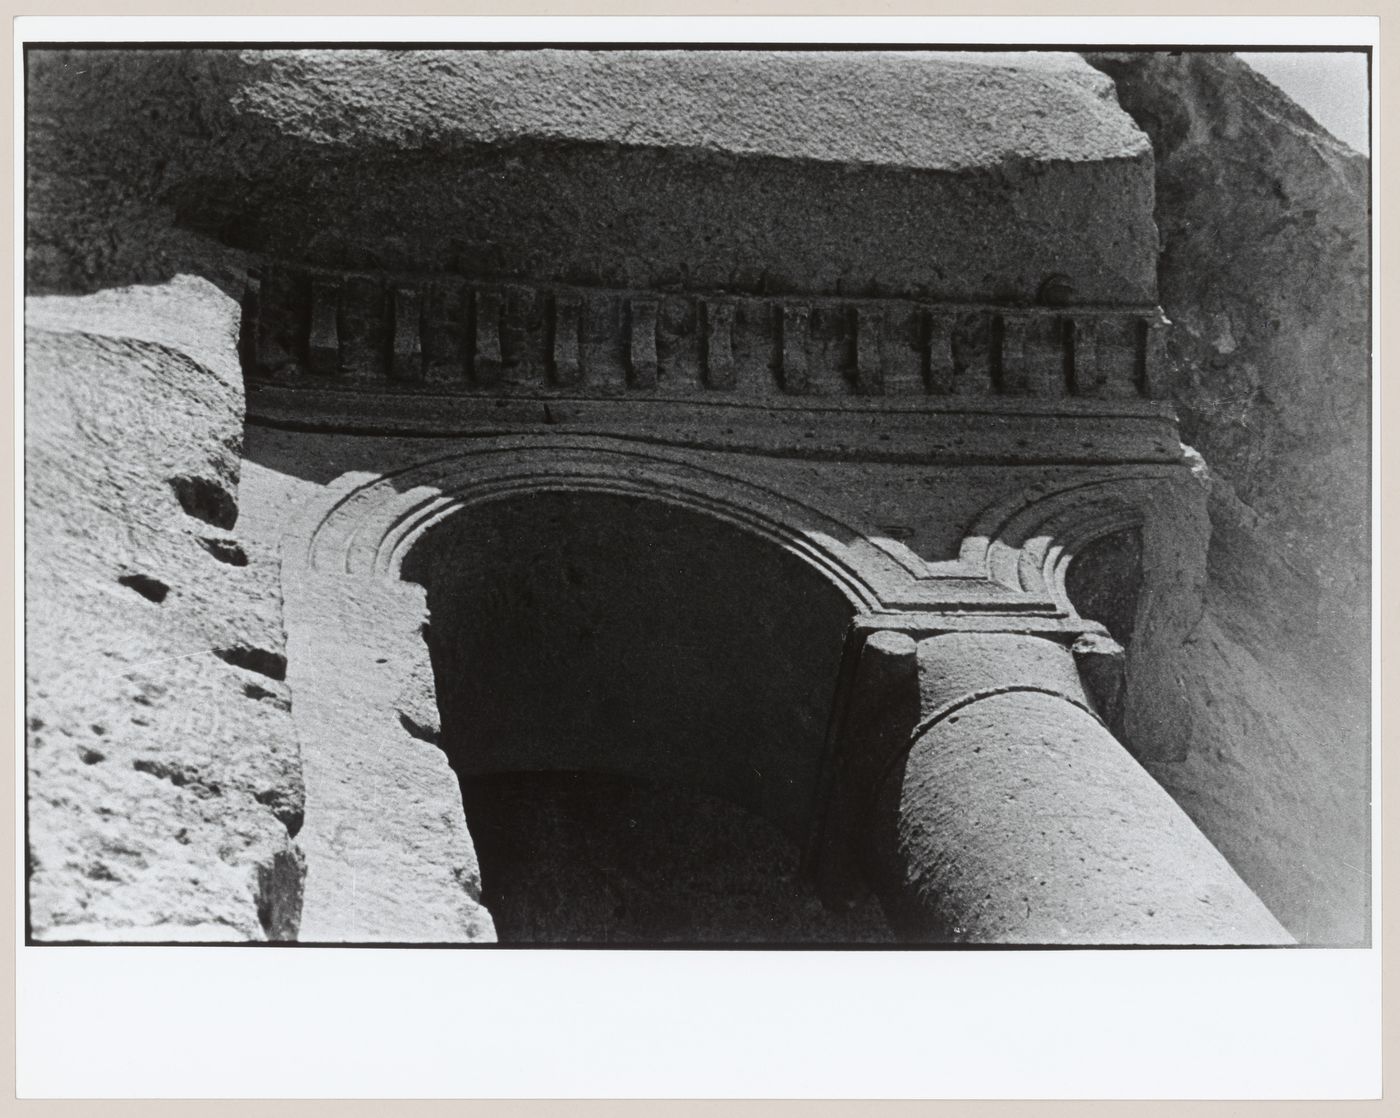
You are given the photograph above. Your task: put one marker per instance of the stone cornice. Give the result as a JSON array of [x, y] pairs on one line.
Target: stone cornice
[[917, 430], [410, 334]]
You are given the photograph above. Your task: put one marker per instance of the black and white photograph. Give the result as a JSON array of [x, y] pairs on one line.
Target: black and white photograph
[[764, 497]]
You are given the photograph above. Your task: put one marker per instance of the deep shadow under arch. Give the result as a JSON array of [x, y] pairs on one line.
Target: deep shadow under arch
[[614, 664]]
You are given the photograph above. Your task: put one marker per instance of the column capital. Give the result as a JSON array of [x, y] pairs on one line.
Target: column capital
[[957, 669]]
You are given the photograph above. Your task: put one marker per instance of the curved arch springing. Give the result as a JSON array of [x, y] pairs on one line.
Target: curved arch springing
[[1027, 542], [374, 523]]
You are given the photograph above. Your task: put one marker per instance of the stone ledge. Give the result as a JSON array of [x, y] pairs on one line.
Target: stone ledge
[[922, 174], [922, 110], [926, 429]]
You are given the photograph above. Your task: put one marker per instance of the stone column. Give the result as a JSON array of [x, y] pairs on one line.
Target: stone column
[[1016, 817]]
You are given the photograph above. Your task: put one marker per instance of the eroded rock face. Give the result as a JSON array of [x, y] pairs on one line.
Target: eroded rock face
[[1265, 275], [164, 783], [735, 171]]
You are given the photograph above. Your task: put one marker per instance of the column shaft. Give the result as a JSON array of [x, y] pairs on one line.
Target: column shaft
[[1016, 817]]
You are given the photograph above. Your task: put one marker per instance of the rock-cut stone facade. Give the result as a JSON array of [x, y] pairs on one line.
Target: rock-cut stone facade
[[660, 497]]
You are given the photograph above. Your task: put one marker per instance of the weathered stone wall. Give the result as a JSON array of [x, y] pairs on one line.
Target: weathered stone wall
[[163, 779], [1265, 275]]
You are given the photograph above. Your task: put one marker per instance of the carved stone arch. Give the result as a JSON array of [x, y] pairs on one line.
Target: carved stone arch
[[1029, 545], [1026, 543], [356, 551], [370, 523]]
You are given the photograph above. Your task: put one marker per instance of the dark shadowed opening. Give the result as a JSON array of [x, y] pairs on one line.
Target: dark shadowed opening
[[635, 697], [572, 857], [1105, 580]]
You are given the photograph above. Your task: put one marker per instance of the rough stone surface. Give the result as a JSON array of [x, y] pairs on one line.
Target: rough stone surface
[[1017, 818], [1265, 275], [629, 169], [388, 854], [925, 110], [106, 133], [164, 785], [693, 171]]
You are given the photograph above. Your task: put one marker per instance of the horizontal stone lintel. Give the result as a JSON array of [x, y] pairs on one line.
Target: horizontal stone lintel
[[469, 338], [914, 429]]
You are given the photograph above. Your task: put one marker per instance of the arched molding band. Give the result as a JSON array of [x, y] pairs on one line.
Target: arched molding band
[[367, 525], [1012, 562], [427, 514], [1026, 543]]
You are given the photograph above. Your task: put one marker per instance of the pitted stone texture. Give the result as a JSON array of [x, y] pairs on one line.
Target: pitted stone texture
[[986, 664], [164, 783], [629, 169], [925, 110], [1017, 818], [388, 854], [1020, 820], [1265, 275]]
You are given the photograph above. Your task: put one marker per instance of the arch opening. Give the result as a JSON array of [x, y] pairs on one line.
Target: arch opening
[[635, 697]]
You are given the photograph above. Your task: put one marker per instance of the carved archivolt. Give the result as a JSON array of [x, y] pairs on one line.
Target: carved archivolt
[[1026, 542], [367, 525], [1011, 563]]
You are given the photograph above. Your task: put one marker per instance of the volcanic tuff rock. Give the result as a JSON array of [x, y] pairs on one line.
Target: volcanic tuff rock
[[685, 169], [163, 779], [164, 783], [1265, 274]]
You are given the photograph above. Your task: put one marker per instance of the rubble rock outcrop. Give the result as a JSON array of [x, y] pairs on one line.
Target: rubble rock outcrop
[[1265, 275], [164, 780]]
